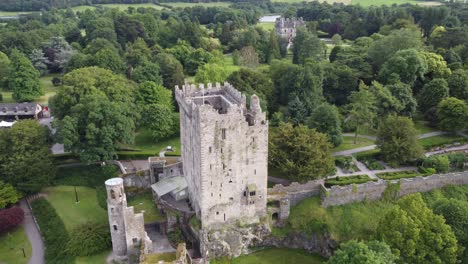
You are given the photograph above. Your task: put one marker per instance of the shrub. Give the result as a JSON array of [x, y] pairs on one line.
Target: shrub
[[10, 218], [399, 174], [89, 239], [8, 195], [356, 179], [175, 237], [53, 231], [346, 163], [1, 97], [440, 163], [56, 81]]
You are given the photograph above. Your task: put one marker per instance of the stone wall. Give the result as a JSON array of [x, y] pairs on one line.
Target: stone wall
[[338, 195], [296, 192], [139, 179]]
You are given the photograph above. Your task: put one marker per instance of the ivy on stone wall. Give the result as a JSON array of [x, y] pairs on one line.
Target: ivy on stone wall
[[392, 191]]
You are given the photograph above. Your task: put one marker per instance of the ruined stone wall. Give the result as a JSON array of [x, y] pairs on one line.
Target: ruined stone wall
[[139, 179], [296, 192], [338, 195]]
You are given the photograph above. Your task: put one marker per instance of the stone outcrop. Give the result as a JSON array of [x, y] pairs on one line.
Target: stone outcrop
[[233, 241], [319, 244]]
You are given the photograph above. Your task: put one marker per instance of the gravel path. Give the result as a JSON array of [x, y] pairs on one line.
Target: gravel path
[[33, 234]]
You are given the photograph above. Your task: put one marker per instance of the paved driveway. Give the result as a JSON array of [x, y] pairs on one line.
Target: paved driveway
[[37, 253]]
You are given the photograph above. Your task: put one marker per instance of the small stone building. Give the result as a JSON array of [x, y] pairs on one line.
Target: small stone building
[[127, 228], [287, 27], [224, 154]]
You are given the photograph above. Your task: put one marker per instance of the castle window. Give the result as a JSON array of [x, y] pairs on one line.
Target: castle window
[[115, 227], [211, 194], [224, 166], [211, 166], [255, 172], [223, 133], [224, 217], [112, 209], [230, 181], [211, 183], [219, 195], [209, 149], [221, 150], [245, 193], [112, 193], [221, 185], [253, 140], [252, 193], [217, 213], [135, 240]]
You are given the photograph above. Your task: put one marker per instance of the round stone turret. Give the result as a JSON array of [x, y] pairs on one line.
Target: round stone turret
[[116, 203]]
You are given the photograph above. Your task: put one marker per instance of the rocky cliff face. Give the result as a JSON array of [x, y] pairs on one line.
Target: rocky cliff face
[[232, 241], [319, 244], [236, 241]]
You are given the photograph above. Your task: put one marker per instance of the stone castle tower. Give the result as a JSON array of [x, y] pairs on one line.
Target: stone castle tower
[[287, 28], [127, 228], [224, 152]]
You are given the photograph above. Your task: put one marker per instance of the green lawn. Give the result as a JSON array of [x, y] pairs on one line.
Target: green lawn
[[440, 140], [348, 143], [73, 214], [46, 82], [145, 144], [96, 259], [124, 7], [229, 64], [82, 8], [267, 25], [8, 14], [145, 203], [211, 4], [422, 127], [274, 256], [10, 247], [382, 2]]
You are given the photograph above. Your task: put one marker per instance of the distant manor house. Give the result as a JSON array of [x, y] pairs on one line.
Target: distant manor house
[[286, 27]]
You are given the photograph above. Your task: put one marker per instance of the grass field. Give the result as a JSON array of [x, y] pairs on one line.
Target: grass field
[[10, 14], [10, 247], [82, 8], [211, 4], [144, 203], [440, 140], [123, 7], [73, 214], [423, 127], [144, 143], [266, 25], [348, 143], [229, 64], [274, 256], [96, 259]]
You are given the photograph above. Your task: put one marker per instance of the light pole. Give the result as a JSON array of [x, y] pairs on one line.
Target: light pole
[[76, 196]]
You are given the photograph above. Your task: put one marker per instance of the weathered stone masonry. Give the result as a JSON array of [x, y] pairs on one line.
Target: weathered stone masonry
[[224, 153]]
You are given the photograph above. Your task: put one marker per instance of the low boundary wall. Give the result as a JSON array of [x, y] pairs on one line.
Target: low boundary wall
[[338, 195]]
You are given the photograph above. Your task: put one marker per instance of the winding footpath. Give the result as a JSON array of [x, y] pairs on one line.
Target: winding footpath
[[37, 245]]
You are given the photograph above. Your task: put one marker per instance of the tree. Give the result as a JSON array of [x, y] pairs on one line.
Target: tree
[[405, 66], [436, 66], [273, 47], [108, 58], [432, 93], [4, 69], [452, 114], [94, 112], [440, 163], [338, 83], [147, 71], [403, 93], [297, 111], [307, 46], [8, 195], [385, 102], [39, 60], [254, 82], [10, 218], [326, 119], [248, 57], [458, 84], [25, 145], [455, 213], [23, 80], [151, 93], [161, 121], [362, 109], [300, 153], [95, 126], [417, 235], [383, 49], [211, 72], [172, 71], [397, 139], [354, 252]]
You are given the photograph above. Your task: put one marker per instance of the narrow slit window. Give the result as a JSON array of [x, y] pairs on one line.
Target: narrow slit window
[[115, 227], [223, 133]]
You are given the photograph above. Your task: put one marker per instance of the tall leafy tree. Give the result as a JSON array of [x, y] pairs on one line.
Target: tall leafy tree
[[171, 69], [4, 69], [25, 145], [362, 109], [307, 46], [301, 153], [211, 72], [23, 80], [405, 66], [403, 93], [417, 235], [458, 84], [326, 119], [254, 82], [385, 102], [452, 114], [354, 252], [273, 47], [8, 195], [398, 141], [432, 93]]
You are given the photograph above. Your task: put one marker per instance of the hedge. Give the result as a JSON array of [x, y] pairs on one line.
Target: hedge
[[89, 239], [400, 174], [53, 232], [346, 180]]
